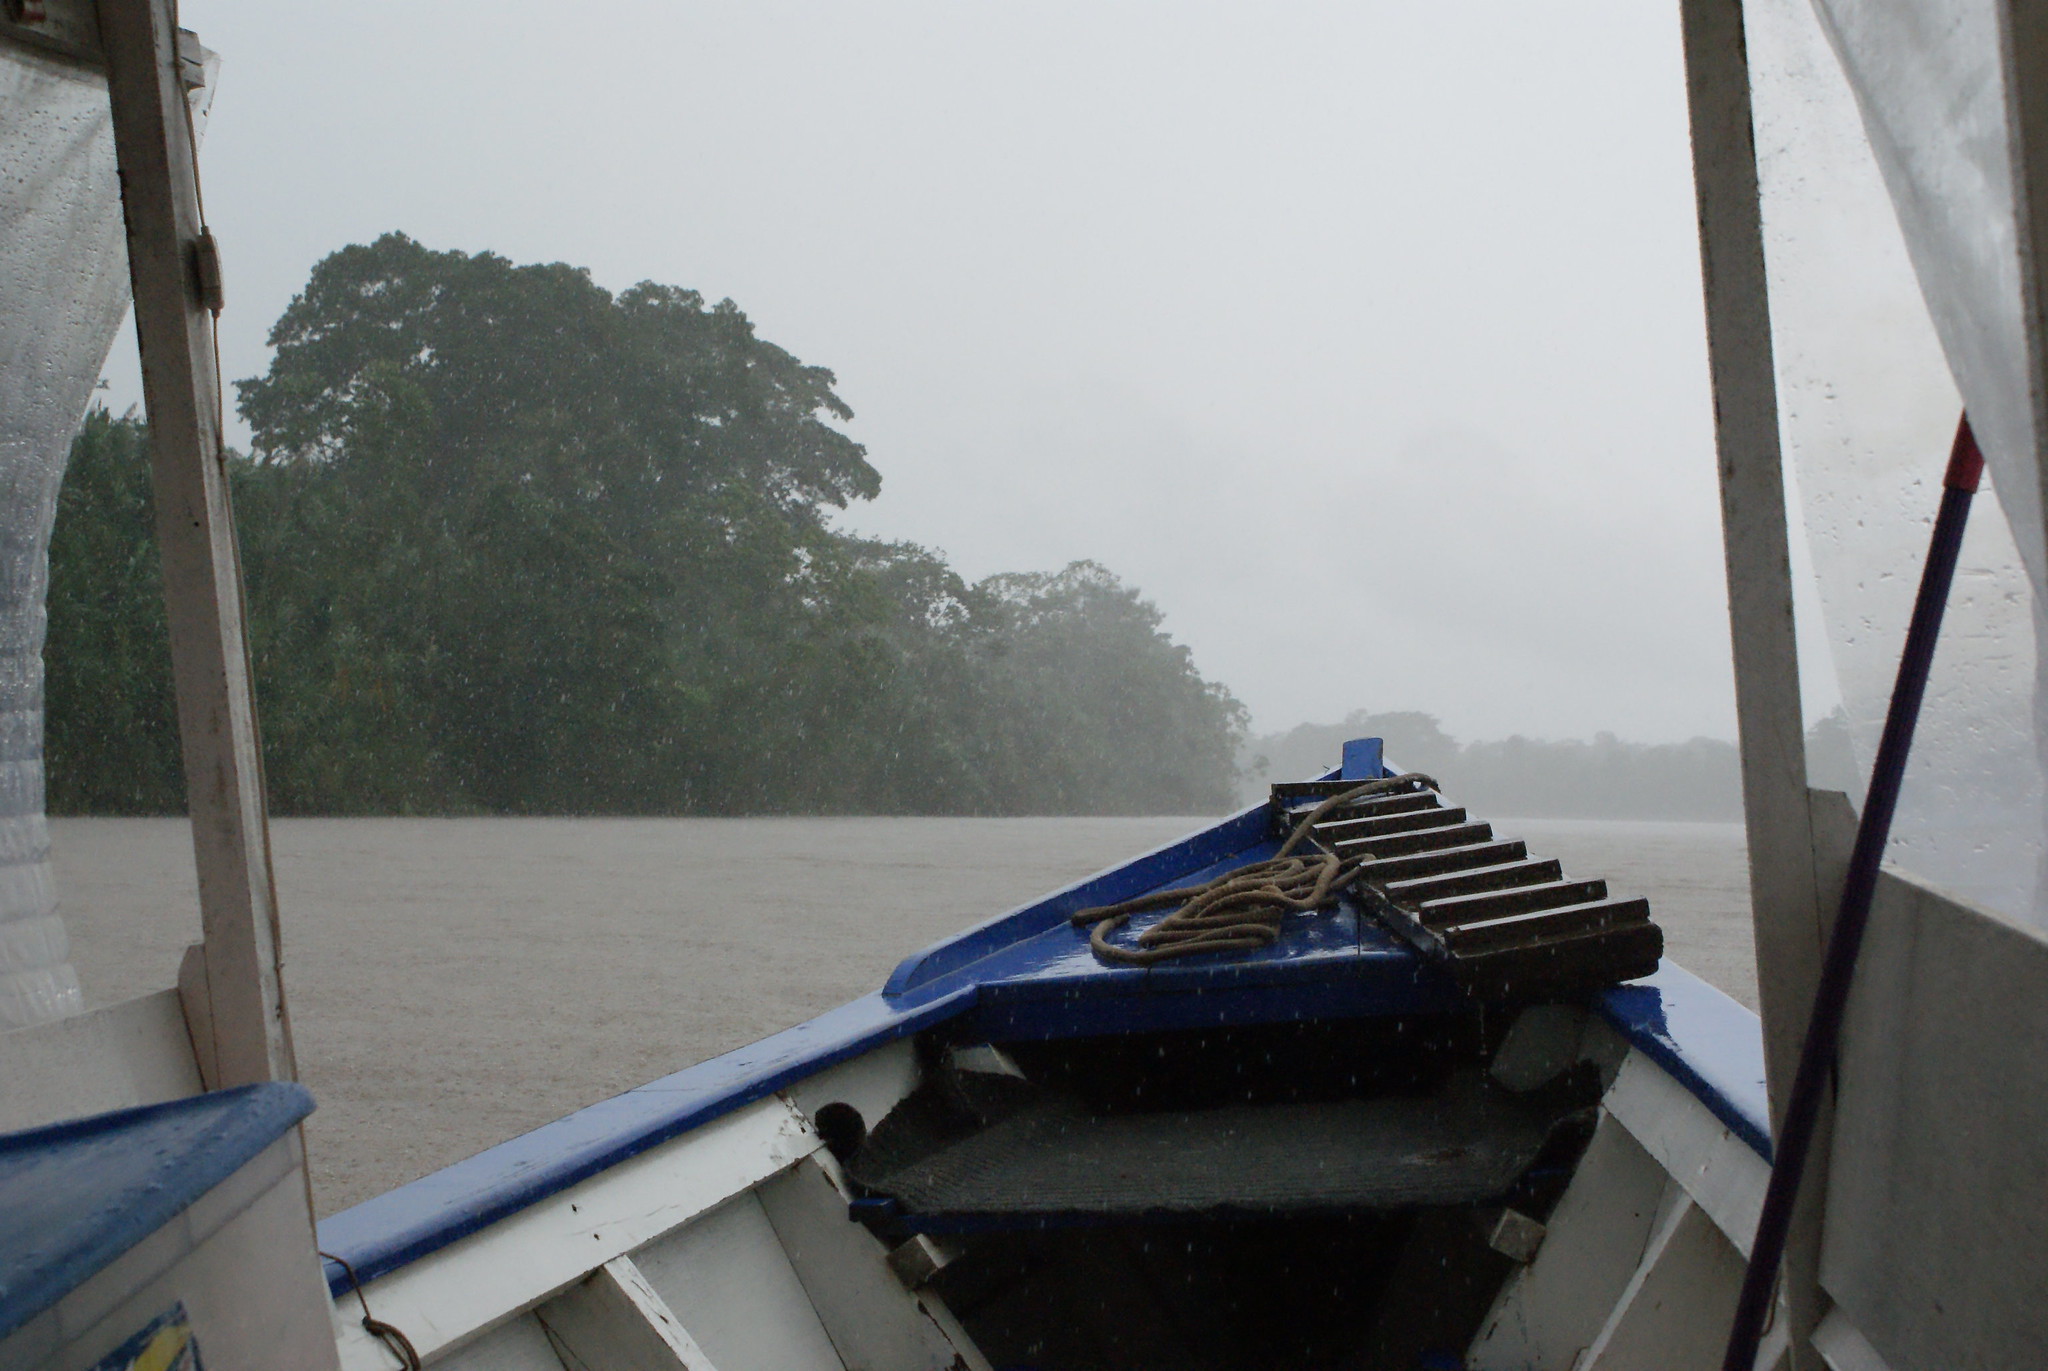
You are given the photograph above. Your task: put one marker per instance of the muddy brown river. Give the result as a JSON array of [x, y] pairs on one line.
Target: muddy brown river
[[455, 982]]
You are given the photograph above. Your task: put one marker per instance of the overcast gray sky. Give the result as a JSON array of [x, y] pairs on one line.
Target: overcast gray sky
[[1365, 338]]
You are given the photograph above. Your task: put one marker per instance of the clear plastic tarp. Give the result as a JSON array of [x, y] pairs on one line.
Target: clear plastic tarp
[[1928, 80], [63, 291], [1874, 329]]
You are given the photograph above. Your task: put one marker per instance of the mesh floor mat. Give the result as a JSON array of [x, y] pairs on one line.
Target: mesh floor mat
[[1466, 1146]]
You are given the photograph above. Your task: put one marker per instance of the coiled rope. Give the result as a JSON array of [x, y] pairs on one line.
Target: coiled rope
[[1242, 909]]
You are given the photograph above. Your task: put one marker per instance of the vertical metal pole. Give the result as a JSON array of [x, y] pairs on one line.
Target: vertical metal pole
[[202, 583], [1784, 897], [1795, 1134]]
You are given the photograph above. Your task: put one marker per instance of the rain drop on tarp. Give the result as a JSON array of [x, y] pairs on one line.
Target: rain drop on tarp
[[1894, 280], [63, 291]]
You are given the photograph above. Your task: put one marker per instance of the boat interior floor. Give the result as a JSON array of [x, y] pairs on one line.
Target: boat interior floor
[[1316, 1195], [1361, 1292]]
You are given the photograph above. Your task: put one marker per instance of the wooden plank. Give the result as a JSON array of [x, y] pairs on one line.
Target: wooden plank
[[1786, 904], [1674, 1314], [872, 1319], [730, 1281], [1754, 529], [131, 1053], [1936, 1211], [1724, 1177], [153, 140], [471, 1286], [519, 1344], [1550, 1310], [612, 1320]]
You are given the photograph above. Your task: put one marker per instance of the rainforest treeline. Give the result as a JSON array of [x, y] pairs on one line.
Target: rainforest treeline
[[513, 544], [1605, 778]]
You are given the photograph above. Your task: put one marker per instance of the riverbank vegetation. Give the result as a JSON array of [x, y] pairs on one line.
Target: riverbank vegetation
[[514, 544], [1606, 778]]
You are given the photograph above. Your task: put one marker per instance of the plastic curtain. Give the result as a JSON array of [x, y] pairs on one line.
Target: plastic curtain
[[63, 292], [1894, 302]]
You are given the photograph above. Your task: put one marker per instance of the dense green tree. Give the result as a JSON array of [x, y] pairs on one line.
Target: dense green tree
[[110, 741], [1109, 712], [515, 509], [514, 544]]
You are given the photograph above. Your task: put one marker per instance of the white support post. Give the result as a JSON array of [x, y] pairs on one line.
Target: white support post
[[1787, 906], [153, 140]]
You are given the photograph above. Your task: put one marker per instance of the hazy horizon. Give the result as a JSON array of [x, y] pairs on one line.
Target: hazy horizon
[[1364, 345]]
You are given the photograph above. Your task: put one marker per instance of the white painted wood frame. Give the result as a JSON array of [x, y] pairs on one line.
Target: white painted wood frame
[[1643, 1255], [153, 140], [614, 1321], [467, 1289], [1717, 1169], [729, 1279], [115, 1057], [1674, 1313], [1553, 1309], [872, 1319], [1786, 904], [1935, 1219], [688, 1216]]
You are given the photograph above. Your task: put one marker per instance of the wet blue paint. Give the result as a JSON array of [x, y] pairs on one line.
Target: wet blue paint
[[75, 1196], [1176, 860], [1362, 760], [401, 1226], [1710, 1044]]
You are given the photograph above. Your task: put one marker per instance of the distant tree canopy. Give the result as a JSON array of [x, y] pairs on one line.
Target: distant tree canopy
[[1606, 778], [516, 545]]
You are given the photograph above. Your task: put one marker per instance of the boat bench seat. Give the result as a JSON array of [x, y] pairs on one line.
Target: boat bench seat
[[1053, 1161]]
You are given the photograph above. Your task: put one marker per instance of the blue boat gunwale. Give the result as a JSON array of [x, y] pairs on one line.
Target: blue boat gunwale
[[186, 1147], [1708, 1042], [397, 1228]]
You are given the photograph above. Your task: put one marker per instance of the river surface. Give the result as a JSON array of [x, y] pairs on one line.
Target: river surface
[[456, 982]]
